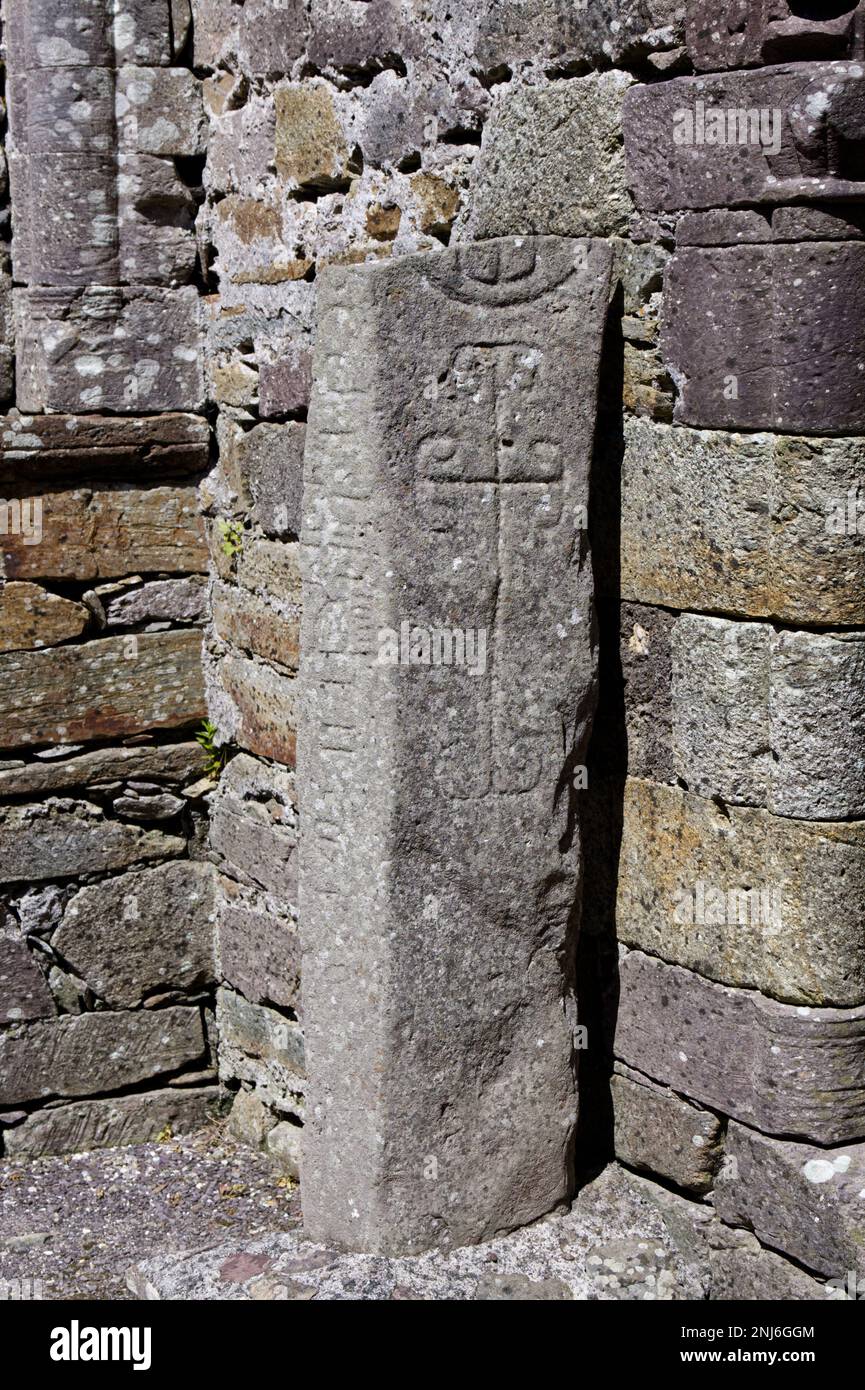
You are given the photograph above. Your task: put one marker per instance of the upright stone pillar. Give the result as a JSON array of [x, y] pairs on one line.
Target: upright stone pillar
[[448, 679]]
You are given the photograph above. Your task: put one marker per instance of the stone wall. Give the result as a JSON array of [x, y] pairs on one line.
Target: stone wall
[[106, 897]]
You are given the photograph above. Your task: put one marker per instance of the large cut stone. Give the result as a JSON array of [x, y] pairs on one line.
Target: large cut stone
[[23, 992], [32, 617], [101, 690], [447, 469], [254, 826], [162, 919], [768, 337], [106, 1124], [94, 445], [742, 896], [786, 1070], [734, 139], [258, 947], [660, 1132], [755, 524], [96, 1052], [175, 763], [804, 1201], [61, 839], [733, 34]]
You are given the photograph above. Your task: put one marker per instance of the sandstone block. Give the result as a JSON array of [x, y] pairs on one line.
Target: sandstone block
[[255, 706], [253, 625], [754, 524], [31, 617], [108, 1124], [96, 1052], [254, 826], [24, 995], [560, 34], [311, 149], [552, 161], [659, 1132], [284, 1143], [787, 1070], [166, 600], [163, 920], [802, 376], [63, 839], [95, 445], [804, 1201], [69, 358], [740, 138], [258, 947], [250, 1120], [447, 461], [159, 111], [101, 690], [646, 659], [178, 763], [284, 386], [747, 898]]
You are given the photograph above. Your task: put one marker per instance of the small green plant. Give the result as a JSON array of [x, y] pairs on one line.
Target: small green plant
[[232, 537], [216, 756]]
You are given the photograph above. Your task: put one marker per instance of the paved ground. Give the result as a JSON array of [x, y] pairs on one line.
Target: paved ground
[[79, 1223]]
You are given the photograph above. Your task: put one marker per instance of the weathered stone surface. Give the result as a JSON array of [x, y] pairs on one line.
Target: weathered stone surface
[[744, 897], [254, 826], [107, 1124], [767, 337], [258, 948], [101, 534], [254, 706], [802, 1200], [62, 839], [24, 995], [69, 358], [786, 1070], [735, 139], [646, 660], [96, 1052], [32, 617], [560, 33], [271, 569], [255, 626], [744, 1271], [44, 446], [250, 1120], [284, 1143], [142, 933], [659, 1132], [270, 460], [733, 35], [447, 465], [172, 600], [177, 763], [156, 222], [284, 386], [755, 524], [311, 149], [261, 1047], [552, 161], [147, 807], [159, 111], [105, 689]]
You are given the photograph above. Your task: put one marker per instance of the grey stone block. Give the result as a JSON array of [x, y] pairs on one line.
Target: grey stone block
[[163, 919], [96, 1052], [258, 947], [254, 826], [61, 839], [552, 162], [745, 1272], [747, 898], [790, 1071], [159, 111], [108, 1124], [24, 995], [659, 1132], [803, 376], [646, 658], [732, 35], [750, 524], [804, 1201], [447, 461], [262, 1048]]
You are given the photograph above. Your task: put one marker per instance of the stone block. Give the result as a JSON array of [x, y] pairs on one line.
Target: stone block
[[789, 1071], [272, 36], [250, 1120], [447, 464], [646, 660], [265, 466], [560, 34], [101, 534], [254, 706], [31, 617], [743, 138], [50, 248], [311, 149], [69, 359], [101, 690], [108, 1124], [552, 161], [359, 39], [177, 763], [659, 1132], [156, 222], [804, 1201], [24, 995], [262, 1048], [63, 839], [258, 947], [745, 1272], [271, 569], [284, 386], [802, 376], [747, 898], [95, 445], [163, 600], [753, 524], [96, 1052], [159, 111], [162, 919], [252, 624], [254, 826], [733, 35], [284, 1143]]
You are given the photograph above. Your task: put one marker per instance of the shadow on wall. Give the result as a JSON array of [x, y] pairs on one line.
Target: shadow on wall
[[597, 980]]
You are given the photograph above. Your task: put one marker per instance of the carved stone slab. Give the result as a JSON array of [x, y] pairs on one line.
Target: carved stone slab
[[446, 475]]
